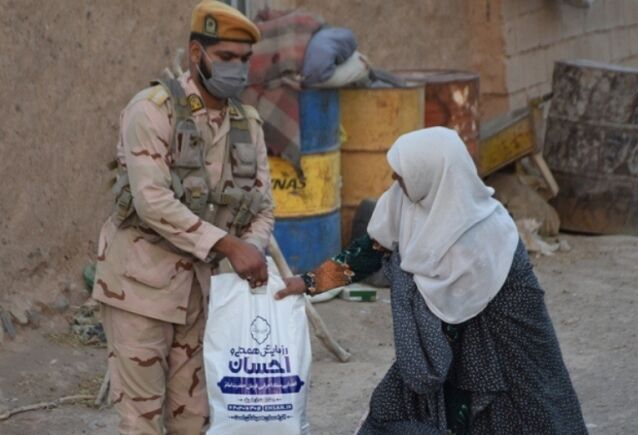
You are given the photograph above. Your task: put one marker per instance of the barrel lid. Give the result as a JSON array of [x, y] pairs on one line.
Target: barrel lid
[[422, 76], [593, 64]]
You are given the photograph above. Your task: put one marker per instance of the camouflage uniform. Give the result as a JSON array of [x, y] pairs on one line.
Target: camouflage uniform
[[153, 271]]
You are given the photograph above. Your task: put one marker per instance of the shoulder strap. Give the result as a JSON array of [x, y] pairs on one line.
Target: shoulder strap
[[182, 114], [178, 96], [239, 130]]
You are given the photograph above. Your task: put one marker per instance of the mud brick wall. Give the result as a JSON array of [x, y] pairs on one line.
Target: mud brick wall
[[67, 70], [539, 32]]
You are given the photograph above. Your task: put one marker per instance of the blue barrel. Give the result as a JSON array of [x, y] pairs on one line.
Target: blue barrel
[[307, 242], [307, 239], [319, 120]]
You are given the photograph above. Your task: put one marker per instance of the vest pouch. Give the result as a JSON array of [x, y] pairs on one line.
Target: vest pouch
[[187, 145], [244, 160], [195, 193]]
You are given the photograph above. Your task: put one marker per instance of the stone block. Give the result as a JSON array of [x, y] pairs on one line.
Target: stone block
[[572, 21], [596, 17], [518, 100], [599, 46], [527, 33], [509, 10], [510, 33], [614, 13], [515, 78], [539, 28], [621, 44], [529, 6]]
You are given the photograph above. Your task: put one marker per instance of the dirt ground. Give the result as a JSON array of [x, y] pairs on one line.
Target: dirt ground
[[592, 295]]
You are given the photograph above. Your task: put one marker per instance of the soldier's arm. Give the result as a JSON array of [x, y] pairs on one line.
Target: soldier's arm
[[262, 224], [146, 138]]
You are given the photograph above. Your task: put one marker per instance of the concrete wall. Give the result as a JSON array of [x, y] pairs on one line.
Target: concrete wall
[[539, 32]]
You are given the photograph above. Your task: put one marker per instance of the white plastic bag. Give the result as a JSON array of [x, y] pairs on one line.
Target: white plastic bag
[[257, 359], [353, 70]]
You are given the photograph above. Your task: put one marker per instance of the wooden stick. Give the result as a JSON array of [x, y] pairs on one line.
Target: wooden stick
[[45, 405], [541, 164], [320, 328], [104, 388]]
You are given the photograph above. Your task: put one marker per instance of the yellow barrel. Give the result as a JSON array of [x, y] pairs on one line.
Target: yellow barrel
[[317, 194], [372, 120]]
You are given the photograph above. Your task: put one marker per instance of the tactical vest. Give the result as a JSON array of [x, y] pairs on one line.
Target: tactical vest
[[189, 181]]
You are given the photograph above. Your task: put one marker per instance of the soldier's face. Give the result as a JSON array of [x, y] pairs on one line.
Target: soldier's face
[[224, 51]]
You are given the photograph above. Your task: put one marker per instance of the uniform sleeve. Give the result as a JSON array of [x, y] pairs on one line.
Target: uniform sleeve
[[359, 260], [146, 138], [260, 229]]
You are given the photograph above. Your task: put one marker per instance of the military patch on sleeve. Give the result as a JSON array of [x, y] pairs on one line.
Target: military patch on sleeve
[[195, 102]]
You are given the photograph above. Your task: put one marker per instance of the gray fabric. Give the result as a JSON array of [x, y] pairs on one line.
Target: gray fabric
[[409, 399], [384, 79], [507, 360], [329, 47]]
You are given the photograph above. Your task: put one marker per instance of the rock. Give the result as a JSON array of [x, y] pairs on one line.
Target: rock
[[94, 425], [564, 246], [528, 231], [18, 309], [61, 304], [20, 316], [7, 324], [34, 317]]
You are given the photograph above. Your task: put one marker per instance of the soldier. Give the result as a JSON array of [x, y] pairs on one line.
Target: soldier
[[193, 188]]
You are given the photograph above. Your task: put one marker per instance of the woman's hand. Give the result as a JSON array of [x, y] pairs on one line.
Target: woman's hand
[[294, 286]]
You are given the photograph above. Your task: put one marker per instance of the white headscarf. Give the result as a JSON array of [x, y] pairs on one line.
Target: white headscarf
[[456, 239]]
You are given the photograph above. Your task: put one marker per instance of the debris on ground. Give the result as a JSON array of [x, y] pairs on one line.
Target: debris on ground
[[86, 324], [528, 230], [89, 276], [45, 405], [7, 323], [519, 194]]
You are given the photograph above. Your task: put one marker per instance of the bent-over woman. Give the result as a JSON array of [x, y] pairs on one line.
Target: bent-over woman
[[476, 352]]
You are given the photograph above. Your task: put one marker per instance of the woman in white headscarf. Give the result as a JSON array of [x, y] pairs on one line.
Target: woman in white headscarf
[[458, 250]]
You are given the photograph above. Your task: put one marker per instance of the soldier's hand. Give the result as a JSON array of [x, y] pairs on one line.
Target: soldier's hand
[[249, 263], [295, 285]]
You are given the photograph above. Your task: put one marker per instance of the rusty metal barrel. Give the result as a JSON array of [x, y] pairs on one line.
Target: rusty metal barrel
[[591, 146], [372, 120], [451, 100]]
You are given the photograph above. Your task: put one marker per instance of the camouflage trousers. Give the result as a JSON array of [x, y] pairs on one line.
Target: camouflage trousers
[[156, 368]]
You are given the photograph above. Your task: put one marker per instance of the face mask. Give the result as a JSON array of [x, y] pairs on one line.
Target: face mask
[[226, 79]]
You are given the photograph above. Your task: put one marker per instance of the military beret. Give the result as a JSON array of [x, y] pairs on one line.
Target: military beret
[[218, 20]]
